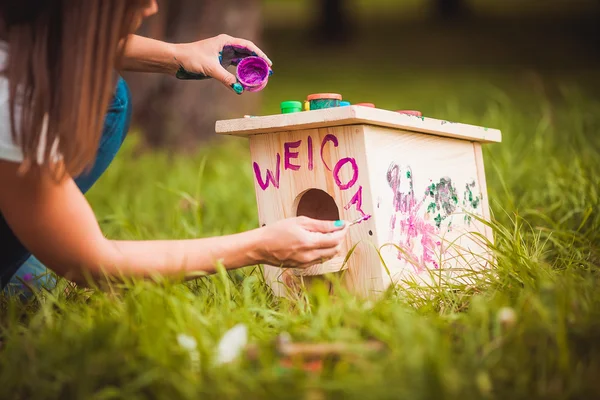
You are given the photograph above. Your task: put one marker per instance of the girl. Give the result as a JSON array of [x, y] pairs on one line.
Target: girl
[[56, 138]]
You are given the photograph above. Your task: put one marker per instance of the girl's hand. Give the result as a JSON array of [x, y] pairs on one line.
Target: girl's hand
[[301, 242], [209, 58]]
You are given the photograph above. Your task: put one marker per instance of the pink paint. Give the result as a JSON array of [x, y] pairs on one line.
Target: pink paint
[[411, 112], [411, 224], [328, 138], [412, 227], [288, 155], [428, 245], [336, 172], [310, 154], [357, 200], [269, 175], [253, 73]]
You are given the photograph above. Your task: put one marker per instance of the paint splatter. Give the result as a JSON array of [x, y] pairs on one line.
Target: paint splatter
[[471, 202], [404, 195], [443, 200], [406, 214], [419, 221], [438, 220], [431, 208]]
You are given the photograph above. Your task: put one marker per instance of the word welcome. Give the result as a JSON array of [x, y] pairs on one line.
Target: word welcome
[[290, 162]]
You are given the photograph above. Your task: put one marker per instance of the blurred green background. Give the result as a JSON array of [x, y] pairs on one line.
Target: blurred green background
[[403, 54]]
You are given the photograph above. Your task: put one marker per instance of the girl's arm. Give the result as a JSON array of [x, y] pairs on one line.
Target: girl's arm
[[143, 54], [55, 222]]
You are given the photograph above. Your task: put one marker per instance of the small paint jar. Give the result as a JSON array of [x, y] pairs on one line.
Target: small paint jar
[[370, 105], [411, 112], [319, 101], [253, 73], [344, 103], [288, 107]]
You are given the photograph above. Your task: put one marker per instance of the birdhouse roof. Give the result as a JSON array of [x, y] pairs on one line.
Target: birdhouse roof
[[355, 115]]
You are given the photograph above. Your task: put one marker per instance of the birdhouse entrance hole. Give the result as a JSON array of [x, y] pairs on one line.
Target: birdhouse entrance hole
[[317, 204]]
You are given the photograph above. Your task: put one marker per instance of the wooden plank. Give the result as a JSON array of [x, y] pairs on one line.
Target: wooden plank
[[485, 204], [354, 115]]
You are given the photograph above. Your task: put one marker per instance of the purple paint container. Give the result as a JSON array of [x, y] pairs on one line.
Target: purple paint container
[[253, 73]]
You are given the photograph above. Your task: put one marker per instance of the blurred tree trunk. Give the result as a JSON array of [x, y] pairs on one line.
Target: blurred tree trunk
[[180, 114], [449, 9], [333, 24]]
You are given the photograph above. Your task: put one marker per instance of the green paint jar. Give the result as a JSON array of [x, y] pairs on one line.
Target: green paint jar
[[319, 101], [288, 107]]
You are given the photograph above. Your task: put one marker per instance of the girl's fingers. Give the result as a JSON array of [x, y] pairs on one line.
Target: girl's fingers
[[251, 46], [321, 256], [227, 78], [317, 225], [328, 254], [327, 240]]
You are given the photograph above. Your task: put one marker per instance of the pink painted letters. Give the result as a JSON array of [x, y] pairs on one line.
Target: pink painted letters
[[290, 162], [356, 201], [310, 154], [288, 155], [328, 138], [336, 173], [269, 176]]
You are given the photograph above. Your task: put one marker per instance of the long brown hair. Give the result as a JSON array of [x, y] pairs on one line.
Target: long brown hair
[[61, 58]]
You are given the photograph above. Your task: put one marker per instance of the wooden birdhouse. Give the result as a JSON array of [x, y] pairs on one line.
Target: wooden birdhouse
[[421, 181]]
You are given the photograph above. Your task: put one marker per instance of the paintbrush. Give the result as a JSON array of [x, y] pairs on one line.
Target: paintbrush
[[359, 220]]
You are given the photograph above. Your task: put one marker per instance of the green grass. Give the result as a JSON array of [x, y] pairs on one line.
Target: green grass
[[544, 182], [544, 186]]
